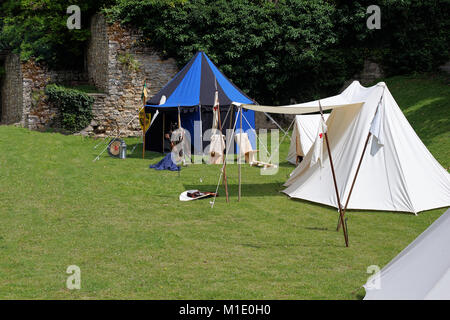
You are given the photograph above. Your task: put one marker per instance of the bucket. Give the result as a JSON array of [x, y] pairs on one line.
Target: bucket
[[123, 150]]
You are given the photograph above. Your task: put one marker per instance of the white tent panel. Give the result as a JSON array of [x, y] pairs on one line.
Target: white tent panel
[[303, 135], [400, 175], [298, 108], [420, 271]]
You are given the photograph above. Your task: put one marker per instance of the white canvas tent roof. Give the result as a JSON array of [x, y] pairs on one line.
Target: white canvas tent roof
[[303, 136], [421, 271], [397, 173]]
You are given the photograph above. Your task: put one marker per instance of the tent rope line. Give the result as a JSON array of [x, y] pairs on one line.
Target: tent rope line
[[276, 123], [118, 135], [282, 140], [120, 132], [240, 113], [116, 129], [279, 144]]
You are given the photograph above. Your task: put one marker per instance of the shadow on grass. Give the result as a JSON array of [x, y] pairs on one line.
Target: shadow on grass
[[248, 189], [137, 152], [349, 212]]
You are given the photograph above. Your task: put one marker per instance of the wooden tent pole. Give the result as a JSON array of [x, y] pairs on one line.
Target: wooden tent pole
[[143, 140], [223, 156], [344, 228], [354, 180], [163, 129], [201, 132], [240, 152]]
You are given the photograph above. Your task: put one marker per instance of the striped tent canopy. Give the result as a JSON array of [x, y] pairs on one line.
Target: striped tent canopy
[[195, 85]]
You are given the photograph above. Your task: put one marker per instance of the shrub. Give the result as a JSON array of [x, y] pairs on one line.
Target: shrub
[[301, 49], [75, 106]]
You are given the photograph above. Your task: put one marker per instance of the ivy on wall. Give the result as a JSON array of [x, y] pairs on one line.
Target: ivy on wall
[[75, 107]]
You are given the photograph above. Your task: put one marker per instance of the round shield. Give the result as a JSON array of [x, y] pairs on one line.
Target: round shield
[[114, 147]]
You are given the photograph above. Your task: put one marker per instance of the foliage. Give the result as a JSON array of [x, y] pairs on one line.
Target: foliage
[[38, 28], [129, 61], [277, 51], [293, 49], [75, 106], [267, 49], [414, 35]]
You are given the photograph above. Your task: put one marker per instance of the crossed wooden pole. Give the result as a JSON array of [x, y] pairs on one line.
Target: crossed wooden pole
[[341, 212]]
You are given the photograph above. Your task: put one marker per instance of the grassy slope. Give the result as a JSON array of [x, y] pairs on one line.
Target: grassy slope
[[124, 226]]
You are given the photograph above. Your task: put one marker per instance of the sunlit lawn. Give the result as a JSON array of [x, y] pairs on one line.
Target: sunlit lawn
[[123, 225]]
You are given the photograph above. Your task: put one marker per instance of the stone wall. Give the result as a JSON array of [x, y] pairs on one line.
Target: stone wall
[[97, 54], [119, 64], [38, 113], [11, 91]]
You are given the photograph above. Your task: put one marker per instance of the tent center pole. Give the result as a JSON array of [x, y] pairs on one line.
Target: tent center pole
[[163, 129], [344, 228], [224, 156], [240, 152]]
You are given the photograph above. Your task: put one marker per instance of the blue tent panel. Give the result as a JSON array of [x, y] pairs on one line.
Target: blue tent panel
[[230, 90], [188, 91]]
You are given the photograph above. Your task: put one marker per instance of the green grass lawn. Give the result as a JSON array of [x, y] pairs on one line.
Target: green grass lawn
[[123, 225]]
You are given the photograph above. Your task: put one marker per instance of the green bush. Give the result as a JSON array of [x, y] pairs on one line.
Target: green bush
[[75, 106], [301, 49], [274, 50], [37, 29]]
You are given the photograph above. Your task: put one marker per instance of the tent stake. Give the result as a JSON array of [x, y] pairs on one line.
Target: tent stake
[[335, 182], [354, 180]]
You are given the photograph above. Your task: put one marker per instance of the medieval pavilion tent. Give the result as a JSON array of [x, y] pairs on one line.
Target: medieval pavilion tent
[[379, 161], [192, 93]]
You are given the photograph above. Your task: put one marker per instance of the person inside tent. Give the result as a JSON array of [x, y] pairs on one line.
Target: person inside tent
[[172, 138], [168, 143]]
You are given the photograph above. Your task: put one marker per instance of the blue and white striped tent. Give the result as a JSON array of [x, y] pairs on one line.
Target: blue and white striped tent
[[192, 91]]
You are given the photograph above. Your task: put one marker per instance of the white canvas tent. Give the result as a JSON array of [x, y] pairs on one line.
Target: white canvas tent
[[420, 272], [303, 135], [395, 173]]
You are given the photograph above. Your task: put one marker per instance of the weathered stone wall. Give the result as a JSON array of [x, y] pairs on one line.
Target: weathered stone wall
[[11, 91], [97, 54], [38, 113], [118, 64]]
